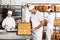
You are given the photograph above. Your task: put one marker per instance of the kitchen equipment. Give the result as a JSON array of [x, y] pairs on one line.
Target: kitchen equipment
[[2, 31], [13, 30]]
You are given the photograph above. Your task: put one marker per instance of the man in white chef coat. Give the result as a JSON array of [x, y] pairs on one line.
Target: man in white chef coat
[[25, 12], [9, 22], [37, 23], [50, 17]]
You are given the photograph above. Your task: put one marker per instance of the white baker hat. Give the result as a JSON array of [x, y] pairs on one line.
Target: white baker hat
[[9, 12], [31, 7]]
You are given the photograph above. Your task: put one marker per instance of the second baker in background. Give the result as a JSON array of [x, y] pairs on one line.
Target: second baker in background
[[50, 17], [9, 22], [25, 12]]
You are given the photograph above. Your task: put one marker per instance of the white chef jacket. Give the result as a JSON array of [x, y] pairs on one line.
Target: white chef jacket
[[26, 15], [36, 18], [50, 18], [50, 25], [37, 34], [10, 22]]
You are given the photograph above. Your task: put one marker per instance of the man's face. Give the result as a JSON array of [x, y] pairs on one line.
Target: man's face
[[9, 15], [24, 6], [33, 11]]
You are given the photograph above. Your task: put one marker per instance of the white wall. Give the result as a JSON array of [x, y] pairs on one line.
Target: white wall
[[41, 1], [15, 2], [11, 2], [5, 2], [18, 2]]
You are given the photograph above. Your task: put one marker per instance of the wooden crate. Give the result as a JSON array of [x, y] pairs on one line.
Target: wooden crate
[[40, 8], [53, 35], [57, 22], [58, 36], [57, 8], [45, 8], [52, 7], [24, 29]]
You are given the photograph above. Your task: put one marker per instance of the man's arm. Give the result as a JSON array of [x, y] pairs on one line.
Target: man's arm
[[41, 19], [41, 24]]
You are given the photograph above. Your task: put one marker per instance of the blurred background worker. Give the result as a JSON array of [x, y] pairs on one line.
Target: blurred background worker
[[9, 23], [25, 13], [37, 23], [50, 16], [1, 19]]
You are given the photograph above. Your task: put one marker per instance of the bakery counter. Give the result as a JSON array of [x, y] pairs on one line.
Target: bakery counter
[[12, 35]]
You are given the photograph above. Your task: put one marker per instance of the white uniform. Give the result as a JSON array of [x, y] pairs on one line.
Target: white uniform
[[49, 31], [37, 34], [26, 15], [10, 22]]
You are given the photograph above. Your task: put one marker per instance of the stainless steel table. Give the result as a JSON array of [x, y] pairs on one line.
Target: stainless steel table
[[12, 35]]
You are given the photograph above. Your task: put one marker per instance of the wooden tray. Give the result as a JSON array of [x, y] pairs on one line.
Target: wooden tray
[[24, 29]]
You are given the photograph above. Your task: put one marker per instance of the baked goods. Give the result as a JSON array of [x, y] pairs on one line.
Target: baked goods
[[24, 29], [58, 36], [57, 22]]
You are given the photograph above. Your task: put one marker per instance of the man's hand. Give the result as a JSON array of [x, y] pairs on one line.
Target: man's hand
[[33, 29]]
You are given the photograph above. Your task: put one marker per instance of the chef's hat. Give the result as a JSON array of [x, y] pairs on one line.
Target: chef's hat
[[24, 3], [31, 7], [9, 12]]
